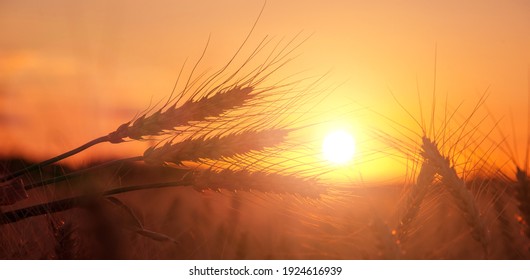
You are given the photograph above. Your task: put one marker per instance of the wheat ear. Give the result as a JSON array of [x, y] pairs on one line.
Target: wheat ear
[[243, 180], [523, 197], [414, 199], [66, 243], [457, 188], [387, 248], [208, 106], [212, 105], [216, 147], [504, 224]]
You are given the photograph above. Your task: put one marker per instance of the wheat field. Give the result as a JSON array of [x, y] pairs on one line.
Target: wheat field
[[223, 179], [228, 166]]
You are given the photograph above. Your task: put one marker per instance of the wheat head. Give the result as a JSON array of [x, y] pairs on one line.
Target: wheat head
[[191, 111], [458, 190], [414, 199], [523, 197], [216, 147], [243, 180]]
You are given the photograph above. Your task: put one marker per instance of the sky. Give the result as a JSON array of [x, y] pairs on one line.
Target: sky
[[71, 71]]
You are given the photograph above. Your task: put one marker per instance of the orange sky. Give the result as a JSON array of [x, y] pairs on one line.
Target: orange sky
[[73, 71]]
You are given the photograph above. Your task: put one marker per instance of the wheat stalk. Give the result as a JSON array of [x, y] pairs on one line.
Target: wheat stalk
[[457, 188], [239, 180]]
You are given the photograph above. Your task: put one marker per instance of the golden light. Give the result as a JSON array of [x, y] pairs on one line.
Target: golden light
[[338, 147]]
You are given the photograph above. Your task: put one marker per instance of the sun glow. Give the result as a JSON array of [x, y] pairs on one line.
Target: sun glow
[[338, 147]]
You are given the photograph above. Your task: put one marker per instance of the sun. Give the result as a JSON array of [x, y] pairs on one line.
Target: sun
[[338, 147]]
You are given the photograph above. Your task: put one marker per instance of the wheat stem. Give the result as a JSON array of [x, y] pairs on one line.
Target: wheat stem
[[79, 172], [79, 201], [47, 162], [227, 179]]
